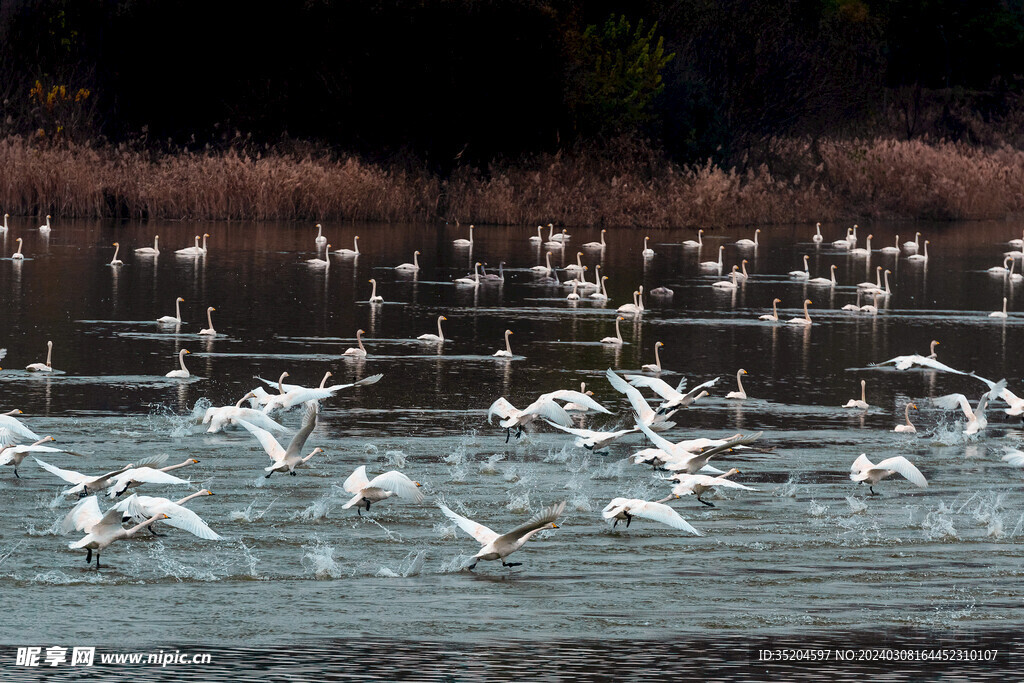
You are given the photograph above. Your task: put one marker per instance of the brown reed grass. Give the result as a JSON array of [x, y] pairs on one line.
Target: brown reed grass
[[625, 185]]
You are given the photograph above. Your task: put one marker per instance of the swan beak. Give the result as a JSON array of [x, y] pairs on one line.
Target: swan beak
[[553, 525], [443, 318], [417, 483], [194, 461], [209, 492], [165, 517], [187, 351]]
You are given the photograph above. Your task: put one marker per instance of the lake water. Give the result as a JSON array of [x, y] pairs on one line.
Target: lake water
[[809, 553]]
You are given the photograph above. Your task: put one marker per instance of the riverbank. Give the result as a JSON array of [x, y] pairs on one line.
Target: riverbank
[[635, 186]]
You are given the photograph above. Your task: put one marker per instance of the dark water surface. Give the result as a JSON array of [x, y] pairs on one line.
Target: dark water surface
[[808, 553]]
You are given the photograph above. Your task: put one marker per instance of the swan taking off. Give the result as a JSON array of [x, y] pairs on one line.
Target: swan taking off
[[590, 439], [499, 546], [976, 420], [220, 417], [674, 398], [863, 471], [85, 485], [15, 454], [43, 367], [176, 318], [209, 331], [908, 427], [699, 484], [625, 509], [287, 459], [545, 406], [181, 373], [101, 529], [136, 508], [137, 476], [862, 403], [380, 488]]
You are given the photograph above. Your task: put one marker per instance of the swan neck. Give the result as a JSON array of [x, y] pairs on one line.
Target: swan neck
[[323, 382], [181, 360], [439, 332], [209, 318], [508, 344], [49, 354], [359, 340], [739, 381], [176, 467], [657, 357]]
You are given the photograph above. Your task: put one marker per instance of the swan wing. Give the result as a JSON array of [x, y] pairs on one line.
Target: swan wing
[[69, 476], [482, 534], [82, 516], [182, 518], [636, 399], [273, 384], [403, 486], [111, 520], [861, 464], [145, 475], [659, 512], [266, 439], [261, 420], [356, 481], [577, 397], [308, 425], [658, 440], [15, 427], [932, 363], [547, 408], [582, 433], [152, 461], [691, 480], [692, 393], [902, 466], [616, 506], [372, 379], [545, 516], [954, 401], [656, 384], [502, 408]]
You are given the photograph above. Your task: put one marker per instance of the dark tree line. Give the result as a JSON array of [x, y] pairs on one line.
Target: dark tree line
[[453, 81]]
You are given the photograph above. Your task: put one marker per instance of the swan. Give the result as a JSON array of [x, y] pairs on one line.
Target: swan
[[507, 351], [360, 351], [774, 315], [999, 314], [5, 227], [413, 267], [324, 262], [876, 285], [862, 403], [644, 413], [11, 429], [116, 261], [176, 318], [912, 247], [593, 440], [824, 280], [83, 483], [575, 267], [1013, 243], [603, 294], [749, 243], [439, 337], [218, 418], [854, 307], [679, 458], [699, 242], [1013, 457], [137, 476], [647, 252], [920, 257], [573, 295], [576, 407], [674, 398], [893, 249], [464, 242], [884, 293], [908, 427], [380, 488], [546, 269], [554, 244], [209, 331], [637, 306], [320, 239], [1003, 269], [287, 459], [741, 276], [656, 366], [596, 245], [865, 251], [43, 367], [740, 393], [863, 471], [852, 235], [150, 251], [806, 320], [183, 372], [871, 308], [976, 420], [498, 547], [101, 529], [473, 280], [817, 233], [930, 361], [545, 406], [561, 237], [714, 265], [45, 227], [350, 252], [617, 339], [699, 484], [539, 237], [727, 284], [620, 509], [662, 293], [845, 242], [491, 277], [136, 508], [196, 250], [294, 395], [17, 255], [801, 274], [1014, 277], [374, 298], [1016, 403], [15, 454]]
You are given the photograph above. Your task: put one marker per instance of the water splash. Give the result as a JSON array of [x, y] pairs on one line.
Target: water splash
[[411, 565], [249, 514], [787, 490], [455, 564], [490, 466], [396, 459], [856, 505], [318, 559], [815, 509]]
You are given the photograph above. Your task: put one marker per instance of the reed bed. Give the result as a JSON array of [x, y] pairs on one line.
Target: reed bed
[[628, 186]]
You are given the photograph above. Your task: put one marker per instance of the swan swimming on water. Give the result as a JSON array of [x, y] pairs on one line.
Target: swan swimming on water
[[43, 367], [183, 372], [439, 337], [173, 319], [150, 251], [860, 403], [209, 331], [908, 427]]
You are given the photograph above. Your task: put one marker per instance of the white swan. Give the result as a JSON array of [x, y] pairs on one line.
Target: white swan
[[183, 372], [854, 307], [637, 306], [499, 546], [195, 250], [1003, 269], [647, 252], [863, 471], [350, 252], [5, 227], [741, 276], [893, 249], [324, 262], [727, 284], [699, 242], [545, 406], [116, 261], [617, 339], [603, 294], [137, 476], [413, 267], [138, 508], [360, 350], [920, 257], [593, 440], [852, 236], [464, 242], [976, 420], [15, 454], [596, 245], [539, 237], [473, 279], [45, 227], [17, 255], [806, 320], [380, 488], [674, 398], [699, 484], [101, 529], [1016, 403], [817, 233], [574, 294], [1014, 277], [801, 274], [620, 509], [774, 315], [545, 269], [374, 297], [576, 407], [43, 367], [294, 395], [740, 393], [749, 243], [11, 429], [863, 251], [908, 427], [861, 403], [824, 280], [678, 457], [1013, 243], [320, 239], [999, 314], [150, 251], [871, 308], [644, 413], [878, 291], [845, 242], [656, 366], [439, 337], [912, 247], [714, 265], [173, 319], [220, 417], [560, 237], [576, 267], [85, 484], [929, 361], [876, 285], [507, 351], [287, 459], [491, 277], [209, 331]]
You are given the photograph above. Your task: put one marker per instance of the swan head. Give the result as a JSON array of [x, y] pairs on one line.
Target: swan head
[[206, 234], [620, 318], [211, 309], [116, 244], [359, 332], [180, 300], [205, 492], [508, 332], [442, 318], [49, 344], [193, 460], [777, 301], [417, 253], [743, 372], [47, 216], [317, 450], [285, 374], [550, 525], [317, 226], [18, 240], [328, 247], [418, 484], [914, 406], [357, 236], [659, 344], [185, 352]]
